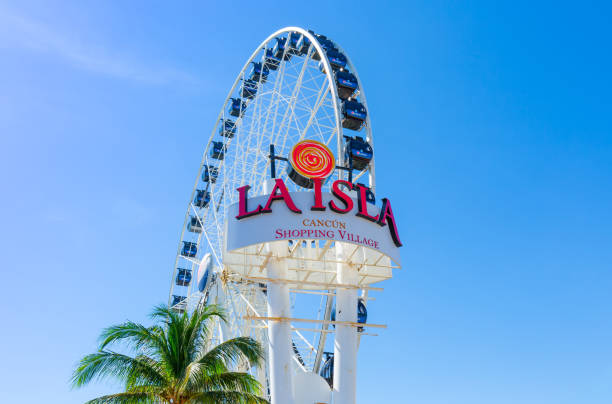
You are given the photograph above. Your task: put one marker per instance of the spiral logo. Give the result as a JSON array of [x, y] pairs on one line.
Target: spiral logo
[[312, 159]]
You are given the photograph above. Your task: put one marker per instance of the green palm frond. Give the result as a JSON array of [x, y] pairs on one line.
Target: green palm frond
[[228, 381], [109, 364], [135, 336], [231, 351], [198, 329], [164, 314], [135, 379]]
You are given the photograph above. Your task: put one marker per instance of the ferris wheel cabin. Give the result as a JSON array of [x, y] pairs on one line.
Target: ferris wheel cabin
[[279, 49], [201, 198], [189, 249], [353, 114], [183, 277], [346, 83], [357, 152], [227, 128], [210, 174], [217, 150], [336, 59], [178, 303], [325, 43], [327, 371], [301, 45], [249, 89], [194, 225], [237, 107], [272, 62], [259, 72], [294, 43], [362, 313]]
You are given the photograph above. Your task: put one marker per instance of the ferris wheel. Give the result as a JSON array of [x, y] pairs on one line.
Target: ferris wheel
[[297, 85]]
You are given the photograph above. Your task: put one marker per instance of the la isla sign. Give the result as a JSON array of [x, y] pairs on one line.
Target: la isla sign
[[336, 215]]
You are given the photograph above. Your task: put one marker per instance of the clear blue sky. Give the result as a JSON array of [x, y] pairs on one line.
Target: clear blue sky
[[493, 127]]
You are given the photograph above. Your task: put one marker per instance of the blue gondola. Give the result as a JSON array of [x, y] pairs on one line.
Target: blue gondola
[[237, 107], [176, 299], [259, 72], [183, 277], [346, 83], [358, 152], [327, 371], [201, 198], [210, 174], [194, 225], [294, 43], [303, 45], [279, 49], [362, 313], [354, 114], [217, 150], [189, 249], [272, 62], [227, 128], [336, 59], [249, 89], [325, 43]]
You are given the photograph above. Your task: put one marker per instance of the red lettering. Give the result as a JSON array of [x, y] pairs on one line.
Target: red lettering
[[279, 186], [318, 200], [363, 205], [386, 213], [242, 203], [344, 198]]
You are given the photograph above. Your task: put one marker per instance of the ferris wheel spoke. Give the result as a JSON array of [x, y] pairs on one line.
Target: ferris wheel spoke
[[323, 92], [293, 98]]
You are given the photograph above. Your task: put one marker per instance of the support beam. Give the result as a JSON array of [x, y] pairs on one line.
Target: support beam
[[280, 348], [279, 332], [345, 342]]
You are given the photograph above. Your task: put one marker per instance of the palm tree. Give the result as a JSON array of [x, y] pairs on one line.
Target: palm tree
[[172, 362]]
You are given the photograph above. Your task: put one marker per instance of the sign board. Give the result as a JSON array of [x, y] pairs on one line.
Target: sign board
[[280, 222]]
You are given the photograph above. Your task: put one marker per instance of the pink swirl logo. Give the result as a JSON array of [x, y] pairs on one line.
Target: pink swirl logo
[[312, 159]]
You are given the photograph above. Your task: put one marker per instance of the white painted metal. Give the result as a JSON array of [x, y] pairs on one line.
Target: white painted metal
[[345, 343], [279, 332]]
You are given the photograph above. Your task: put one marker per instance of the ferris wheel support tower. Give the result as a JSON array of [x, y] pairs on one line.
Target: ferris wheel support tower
[[345, 343]]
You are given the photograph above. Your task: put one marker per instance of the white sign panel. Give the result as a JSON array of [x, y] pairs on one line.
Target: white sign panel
[[283, 224]]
